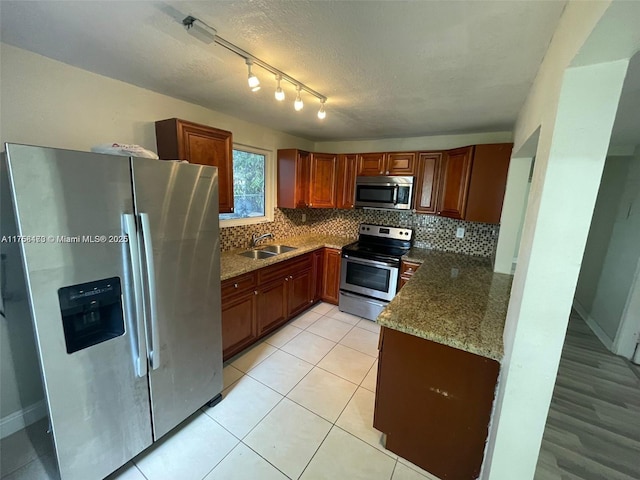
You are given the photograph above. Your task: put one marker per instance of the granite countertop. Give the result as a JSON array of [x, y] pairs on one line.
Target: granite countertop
[[452, 299], [232, 264]]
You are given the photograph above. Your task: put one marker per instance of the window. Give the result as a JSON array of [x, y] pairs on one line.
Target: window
[[252, 180]]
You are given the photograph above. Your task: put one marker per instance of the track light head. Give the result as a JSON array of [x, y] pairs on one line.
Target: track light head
[[254, 82], [322, 114], [298, 104], [279, 92]]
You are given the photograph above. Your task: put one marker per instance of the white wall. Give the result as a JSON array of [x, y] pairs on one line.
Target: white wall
[[435, 142], [45, 102], [595, 279], [574, 108]]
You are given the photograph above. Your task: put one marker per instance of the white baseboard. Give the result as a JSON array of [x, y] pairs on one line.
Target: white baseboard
[[593, 325], [22, 418]]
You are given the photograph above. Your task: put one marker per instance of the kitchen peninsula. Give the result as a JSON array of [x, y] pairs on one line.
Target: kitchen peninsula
[[440, 351]]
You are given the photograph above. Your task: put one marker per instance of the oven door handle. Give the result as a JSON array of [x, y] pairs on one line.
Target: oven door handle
[[366, 261]]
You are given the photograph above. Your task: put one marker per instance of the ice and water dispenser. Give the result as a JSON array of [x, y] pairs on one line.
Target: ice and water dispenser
[[91, 313]]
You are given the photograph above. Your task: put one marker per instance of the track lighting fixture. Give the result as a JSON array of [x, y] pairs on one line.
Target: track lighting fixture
[[207, 34], [322, 113], [298, 104], [254, 82], [279, 92]]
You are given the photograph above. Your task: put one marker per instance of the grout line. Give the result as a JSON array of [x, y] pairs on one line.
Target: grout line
[[369, 445], [266, 460]]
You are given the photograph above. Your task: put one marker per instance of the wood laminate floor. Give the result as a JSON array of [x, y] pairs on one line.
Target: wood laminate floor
[[593, 426]]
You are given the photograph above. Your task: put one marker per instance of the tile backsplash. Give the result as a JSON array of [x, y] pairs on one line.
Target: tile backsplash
[[438, 233]]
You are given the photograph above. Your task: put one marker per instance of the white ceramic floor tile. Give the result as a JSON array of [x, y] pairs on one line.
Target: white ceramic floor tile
[[24, 446], [403, 472], [253, 357], [42, 468], [370, 380], [127, 472], [369, 325], [415, 468], [330, 328], [309, 347], [245, 464], [323, 393], [288, 437], [342, 456], [281, 371], [344, 317], [347, 363], [322, 308], [305, 319], [282, 336], [357, 419], [191, 451], [230, 374], [243, 405], [362, 340]]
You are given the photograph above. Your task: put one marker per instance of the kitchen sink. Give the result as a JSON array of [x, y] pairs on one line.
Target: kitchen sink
[[277, 249], [257, 254]]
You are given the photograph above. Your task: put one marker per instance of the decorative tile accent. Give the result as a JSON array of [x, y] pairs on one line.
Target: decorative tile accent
[[437, 233]]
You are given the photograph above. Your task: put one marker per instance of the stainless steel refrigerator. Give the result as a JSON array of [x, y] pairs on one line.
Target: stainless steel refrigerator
[[121, 267]]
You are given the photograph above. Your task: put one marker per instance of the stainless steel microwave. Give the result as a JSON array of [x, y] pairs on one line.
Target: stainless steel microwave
[[393, 193]]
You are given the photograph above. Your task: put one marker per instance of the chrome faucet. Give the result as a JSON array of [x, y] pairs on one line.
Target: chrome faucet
[[255, 238]]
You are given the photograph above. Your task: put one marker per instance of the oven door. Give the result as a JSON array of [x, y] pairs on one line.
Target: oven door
[[373, 278]]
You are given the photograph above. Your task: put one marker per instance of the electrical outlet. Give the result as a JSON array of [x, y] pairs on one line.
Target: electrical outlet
[[454, 272], [304, 217], [460, 232]]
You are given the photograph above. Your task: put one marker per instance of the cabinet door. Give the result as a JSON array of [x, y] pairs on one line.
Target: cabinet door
[[346, 180], [371, 164], [303, 180], [317, 269], [299, 292], [456, 169], [179, 139], [488, 182], [322, 189], [272, 305], [427, 182], [239, 327], [401, 163], [331, 276]]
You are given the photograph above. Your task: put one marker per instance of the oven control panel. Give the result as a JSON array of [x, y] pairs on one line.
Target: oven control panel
[[383, 231]]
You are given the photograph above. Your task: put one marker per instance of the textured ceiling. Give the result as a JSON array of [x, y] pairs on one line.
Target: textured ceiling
[[389, 68]]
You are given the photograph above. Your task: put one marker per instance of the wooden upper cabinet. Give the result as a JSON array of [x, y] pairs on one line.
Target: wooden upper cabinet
[[488, 182], [346, 180], [401, 164], [427, 182], [454, 185], [322, 188], [294, 170], [372, 164], [181, 140]]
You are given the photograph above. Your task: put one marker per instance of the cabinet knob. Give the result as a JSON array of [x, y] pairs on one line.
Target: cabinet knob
[[290, 277], [387, 172], [409, 269], [232, 209], [255, 292], [235, 285], [286, 279], [311, 204]]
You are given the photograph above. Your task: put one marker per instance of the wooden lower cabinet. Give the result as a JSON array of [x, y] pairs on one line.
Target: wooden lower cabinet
[[255, 304], [407, 269], [272, 305], [434, 404], [331, 275]]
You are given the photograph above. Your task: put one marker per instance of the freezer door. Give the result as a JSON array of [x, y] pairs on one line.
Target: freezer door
[[85, 331], [177, 208]]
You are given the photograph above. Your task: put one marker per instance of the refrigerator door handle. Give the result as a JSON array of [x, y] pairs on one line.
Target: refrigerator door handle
[[129, 227], [154, 353]]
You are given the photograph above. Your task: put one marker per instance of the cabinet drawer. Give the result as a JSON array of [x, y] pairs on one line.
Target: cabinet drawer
[[284, 269], [408, 268], [238, 285]]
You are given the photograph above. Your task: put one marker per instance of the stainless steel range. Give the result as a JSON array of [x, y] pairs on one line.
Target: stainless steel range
[[371, 268]]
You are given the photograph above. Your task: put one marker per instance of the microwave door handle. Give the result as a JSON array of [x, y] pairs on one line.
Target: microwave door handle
[[396, 188]]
